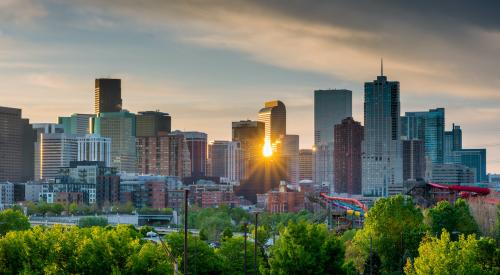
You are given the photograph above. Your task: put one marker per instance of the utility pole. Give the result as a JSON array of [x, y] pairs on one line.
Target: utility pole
[[186, 193], [245, 248], [255, 243], [371, 256]]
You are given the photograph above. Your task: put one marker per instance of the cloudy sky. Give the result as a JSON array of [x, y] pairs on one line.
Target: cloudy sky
[[208, 63]]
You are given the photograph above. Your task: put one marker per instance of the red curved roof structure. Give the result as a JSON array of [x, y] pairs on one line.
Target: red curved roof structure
[[348, 200], [473, 189]]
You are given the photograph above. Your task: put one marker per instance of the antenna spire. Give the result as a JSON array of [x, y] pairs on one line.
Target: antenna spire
[[381, 67]]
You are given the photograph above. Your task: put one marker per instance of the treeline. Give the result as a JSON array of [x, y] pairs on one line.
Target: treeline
[[397, 238], [43, 208]]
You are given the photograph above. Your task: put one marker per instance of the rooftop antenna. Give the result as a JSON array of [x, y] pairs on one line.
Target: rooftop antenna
[[381, 67]]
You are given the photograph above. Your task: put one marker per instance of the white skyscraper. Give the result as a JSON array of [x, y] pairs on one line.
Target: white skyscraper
[[382, 161], [330, 108], [94, 148], [53, 152]]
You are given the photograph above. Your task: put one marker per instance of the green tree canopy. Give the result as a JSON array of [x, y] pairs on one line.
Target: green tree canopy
[[232, 254], [306, 249], [92, 221], [12, 220], [395, 227], [468, 255], [455, 218]]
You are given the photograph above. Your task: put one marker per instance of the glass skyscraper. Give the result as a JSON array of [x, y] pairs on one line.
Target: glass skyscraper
[[429, 127], [330, 108], [382, 171]]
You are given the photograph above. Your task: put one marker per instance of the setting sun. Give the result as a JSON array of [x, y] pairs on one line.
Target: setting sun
[[267, 151]]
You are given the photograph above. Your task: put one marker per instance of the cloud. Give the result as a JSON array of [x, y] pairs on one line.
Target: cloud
[[21, 11]]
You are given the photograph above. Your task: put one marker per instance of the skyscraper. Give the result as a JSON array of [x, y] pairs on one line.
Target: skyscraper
[[151, 123], [290, 154], [273, 115], [53, 152], [197, 145], [475, 159], [16, 146], [413, 159], [305, 164], [77, 124], [347, 150], [120, 127], [225, 160], [429, 127], [108, 95], [179, 159], [250, 135], [94, 148], [382, 171], [452, 142], [330, 108]]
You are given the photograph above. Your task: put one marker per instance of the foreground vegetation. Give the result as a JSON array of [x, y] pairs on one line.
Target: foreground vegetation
[[397, 238]]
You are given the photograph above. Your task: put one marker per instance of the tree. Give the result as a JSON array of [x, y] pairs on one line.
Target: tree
[[12, 220], [455, 218], [227, 233], [468, 255], [372, 265], [92, 221], [233, 256], [307, 248], [394, 227], [73, 208]]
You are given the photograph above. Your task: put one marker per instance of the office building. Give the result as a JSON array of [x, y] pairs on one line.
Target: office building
[[225, 160], [53, 152], [305, 164], [152, 123], [330, 108], [454, 174], [347, 151], [452, 142], [93, 147], [197, 145], [273, 115], [47, 128], [475, 159], [290, 157], [250, 135], [429, 127], [382, 171], [16, 146], [6, 194], [120, 128], [413, 160], [77, 124], [108, 95], [179, 156]]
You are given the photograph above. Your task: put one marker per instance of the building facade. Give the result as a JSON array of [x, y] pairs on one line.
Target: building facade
[[413, 159], [454, 174], [77, 124], [108, 95], [53, 152], [382, 171], [225, 160], [273, 115], [197, 146], [305, 164], [152, 123], [347, 149], [120, 128], [94, 148], [16, 146], [290, 155], [250, 135]]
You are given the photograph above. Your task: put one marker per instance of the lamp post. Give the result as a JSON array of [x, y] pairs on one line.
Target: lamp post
[[245, 248], [186, 193], [255, 243]]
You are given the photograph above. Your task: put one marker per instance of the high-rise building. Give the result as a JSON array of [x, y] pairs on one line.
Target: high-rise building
[[197, 145], [120, 127], [6, 194], [330, 108], [108, 95], [16, 146], [179, 163], [77, 124], [305, 164], [273, 115], [290, 155], [382, 171], [47, 128], [53, 152], [475, 159], [413, 159], [250, 135], [454, 174], [94, 148], [429, 127], [153, 155], [225, 160], [452, 142], [347, 150], [151, 123]]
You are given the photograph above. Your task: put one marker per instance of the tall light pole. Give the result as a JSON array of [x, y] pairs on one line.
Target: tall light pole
[[245, 248], [255, 243], [186, 193]]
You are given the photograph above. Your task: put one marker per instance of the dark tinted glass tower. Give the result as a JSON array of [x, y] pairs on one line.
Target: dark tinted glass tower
[[151, 123], [108, 95], [347, 149]]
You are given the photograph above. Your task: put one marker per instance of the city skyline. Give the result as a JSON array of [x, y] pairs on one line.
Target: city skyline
[[160, 69]]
